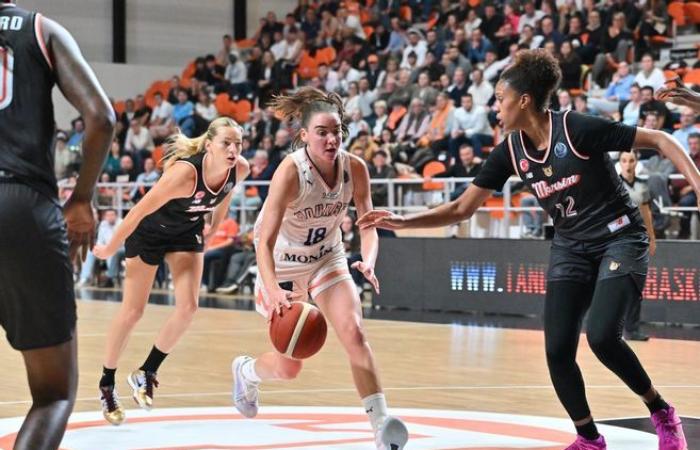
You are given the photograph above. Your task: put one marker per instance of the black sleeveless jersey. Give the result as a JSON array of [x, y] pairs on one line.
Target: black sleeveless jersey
[[573, 179], [183, 215], [26, 111]]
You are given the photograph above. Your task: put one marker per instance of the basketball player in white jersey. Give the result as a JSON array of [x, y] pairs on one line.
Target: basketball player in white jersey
[[298, 245]]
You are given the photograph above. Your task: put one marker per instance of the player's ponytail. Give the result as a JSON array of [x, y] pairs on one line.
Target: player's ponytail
[[180, 146], [306, 102]]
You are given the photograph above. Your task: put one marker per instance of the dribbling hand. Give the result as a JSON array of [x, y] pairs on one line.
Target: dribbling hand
[[380, 219], [80, 227], [281, 299], [368, 272]]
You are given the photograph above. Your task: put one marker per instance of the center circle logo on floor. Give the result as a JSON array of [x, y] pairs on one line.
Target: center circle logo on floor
[[319, 427]]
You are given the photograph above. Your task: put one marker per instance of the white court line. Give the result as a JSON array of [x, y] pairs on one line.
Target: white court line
[[336, 390]]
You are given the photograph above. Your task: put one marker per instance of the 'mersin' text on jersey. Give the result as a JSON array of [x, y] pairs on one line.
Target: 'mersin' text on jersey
[[321, 210], [543, 189]]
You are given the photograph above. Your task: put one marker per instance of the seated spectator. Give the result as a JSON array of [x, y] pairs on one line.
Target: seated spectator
[[363, 146], [478, 46], [564, 101], [226, 48], [615, 45], [378, 119], [142, 112], [459, 88], [127, 172], [581, 105], [481, 90], [630, 113], [67, 159], [549, 33], [618, 91], [651, 105], [239, 264], [77, 133], [236, 76], [469, 125], [425, 91], [380, 168], [204, 113], [356, 125], [281, 147], [254, 196], [138, 143], [416, 44], [218, 249], [161, 125], [351, 101], [650, 75], [687, 127], [414, 124], [437, 136], [570, 64], [108, 224], [112, 164], [529, 39], [467, 166], [183, 113], [214, 75], [149, 176], [530, 17]]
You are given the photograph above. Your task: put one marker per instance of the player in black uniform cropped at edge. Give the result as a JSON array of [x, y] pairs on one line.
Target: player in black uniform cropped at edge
[[168, 223], [599, 253], [37, 242]]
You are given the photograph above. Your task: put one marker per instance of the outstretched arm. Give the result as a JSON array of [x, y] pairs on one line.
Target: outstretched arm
[[669, 146], [676, 92], [453, 212]]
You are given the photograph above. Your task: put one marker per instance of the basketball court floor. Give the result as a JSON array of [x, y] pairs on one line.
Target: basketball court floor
[[457, 386]]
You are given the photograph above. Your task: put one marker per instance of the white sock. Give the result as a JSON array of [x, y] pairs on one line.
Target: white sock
[[248, 371], [375, 407]]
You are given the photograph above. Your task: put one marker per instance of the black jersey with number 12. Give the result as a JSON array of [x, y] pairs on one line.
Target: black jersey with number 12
[[573, 179]]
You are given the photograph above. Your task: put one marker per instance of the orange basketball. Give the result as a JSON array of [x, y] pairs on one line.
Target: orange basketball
[[299, 332]]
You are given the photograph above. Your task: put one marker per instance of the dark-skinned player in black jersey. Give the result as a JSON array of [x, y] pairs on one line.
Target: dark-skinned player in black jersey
[[599, 253], [168, 224], [37, 242]]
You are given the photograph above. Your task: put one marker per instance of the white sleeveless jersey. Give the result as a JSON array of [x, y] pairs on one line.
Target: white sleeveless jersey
[[310, 228]]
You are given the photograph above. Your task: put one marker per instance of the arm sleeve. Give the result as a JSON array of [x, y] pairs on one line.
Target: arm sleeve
[[496, 170], [593, 135]]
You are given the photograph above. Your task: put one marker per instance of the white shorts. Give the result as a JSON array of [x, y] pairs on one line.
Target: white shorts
[[309, 280]]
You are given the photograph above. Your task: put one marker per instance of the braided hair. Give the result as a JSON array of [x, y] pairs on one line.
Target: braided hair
[[304, 104]]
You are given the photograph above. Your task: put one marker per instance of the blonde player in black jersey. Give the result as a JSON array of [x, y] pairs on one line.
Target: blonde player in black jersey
[[298, 242], [168, 223], [599, 253]]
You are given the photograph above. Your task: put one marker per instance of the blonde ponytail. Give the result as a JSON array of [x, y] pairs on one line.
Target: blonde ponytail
[[180, 146]]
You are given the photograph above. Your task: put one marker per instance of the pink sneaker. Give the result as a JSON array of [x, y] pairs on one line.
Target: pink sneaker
[[669, 429], [582, 443]]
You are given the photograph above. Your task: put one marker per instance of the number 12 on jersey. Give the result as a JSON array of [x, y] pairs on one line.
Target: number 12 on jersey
[[315, 236], [569, 210]]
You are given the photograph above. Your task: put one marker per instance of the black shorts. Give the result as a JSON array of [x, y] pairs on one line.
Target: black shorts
[[152, 245], [37, 300], [589, 262]]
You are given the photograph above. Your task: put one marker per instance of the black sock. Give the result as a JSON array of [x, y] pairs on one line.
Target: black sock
[[107, 377], [154, 360], [657, 404], [588, 431]]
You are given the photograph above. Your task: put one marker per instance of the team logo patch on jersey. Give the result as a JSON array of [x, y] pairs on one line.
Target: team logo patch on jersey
[[529, 175], [614, 265], [228, 187], [548, 171], [560, 150], [199, 195], [524, 165]]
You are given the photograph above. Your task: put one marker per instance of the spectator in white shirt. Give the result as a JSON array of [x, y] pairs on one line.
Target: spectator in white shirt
[[138, 142], [328, 77], [366, 97], [530, 17], [481, 90], [417, 45], [650, 75], [564, 101], [161, 125], [469, 124], [109, 223], [351, 23]]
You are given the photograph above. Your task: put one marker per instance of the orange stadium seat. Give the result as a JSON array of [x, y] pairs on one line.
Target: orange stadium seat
[[119, 107], [692, 11], [188, 71], [245, 43], [677, 12], [368, 29], [240, 111], [692, 77], [325, 56], [157, 156], [308, 66], [406, 13], [222, 104], [430, 169]]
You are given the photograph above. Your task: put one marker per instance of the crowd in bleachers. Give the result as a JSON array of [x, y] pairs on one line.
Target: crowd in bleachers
[[417, 79]]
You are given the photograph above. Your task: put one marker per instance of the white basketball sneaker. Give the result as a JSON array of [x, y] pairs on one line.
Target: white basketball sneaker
[[392, 434], [245, 393]]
